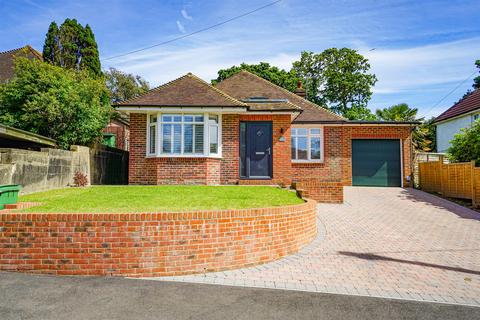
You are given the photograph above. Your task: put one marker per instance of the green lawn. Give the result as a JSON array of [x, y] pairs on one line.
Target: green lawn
[[158, 198]]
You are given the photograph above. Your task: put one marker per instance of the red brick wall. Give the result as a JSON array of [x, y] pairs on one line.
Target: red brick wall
[[336, 169], [141, 170], [152, 244], [282, 164], [376, 132], [323, 181]]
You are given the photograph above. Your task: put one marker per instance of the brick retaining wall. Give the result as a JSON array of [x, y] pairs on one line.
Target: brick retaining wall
[[153, 244]]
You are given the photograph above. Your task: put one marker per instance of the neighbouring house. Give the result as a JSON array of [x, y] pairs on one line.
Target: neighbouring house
[[246, 130], [7, 60], [115, 134], [461, 115]]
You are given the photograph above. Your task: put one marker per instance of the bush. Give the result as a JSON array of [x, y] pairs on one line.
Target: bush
[[80, 179], [465, 146], [66, 105]]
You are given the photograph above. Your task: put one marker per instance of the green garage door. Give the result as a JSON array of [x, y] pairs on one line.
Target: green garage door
[[376, 163]]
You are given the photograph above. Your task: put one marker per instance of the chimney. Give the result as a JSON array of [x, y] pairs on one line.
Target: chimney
[[300, 91]]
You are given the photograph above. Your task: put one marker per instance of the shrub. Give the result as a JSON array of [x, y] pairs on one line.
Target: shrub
[[80, 179], [465, 146]]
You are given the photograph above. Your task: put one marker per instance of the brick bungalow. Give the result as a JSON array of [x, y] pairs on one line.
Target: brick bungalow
[[246, 130]]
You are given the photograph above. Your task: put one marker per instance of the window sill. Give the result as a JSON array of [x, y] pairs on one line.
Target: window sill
[[183, 156], [307, 161]]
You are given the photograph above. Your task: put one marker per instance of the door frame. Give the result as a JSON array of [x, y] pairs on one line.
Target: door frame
[[400, 143], [247, 157]]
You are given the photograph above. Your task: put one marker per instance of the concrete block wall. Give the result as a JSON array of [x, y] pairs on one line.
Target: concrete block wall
[[42, 170]]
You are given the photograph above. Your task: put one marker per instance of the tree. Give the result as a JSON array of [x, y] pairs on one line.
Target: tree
[[360, 113], [124, 86], [476, 81], [421, 136], [398, 112], [72, 46], [337, 78], [280, 77], [66, 105], [465, 146]]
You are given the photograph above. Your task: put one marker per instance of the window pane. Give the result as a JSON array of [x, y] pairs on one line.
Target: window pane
[[294, 148], [167, 118], [302, 148], [188, 118], [213, 139], [199, 118], [294, 131], [301, 131], [153, 139], [153, 118], [177, 138], [243, 149], [213, 119], [188, 138], [314, 131], [167, 138], [315, 148], [177, 118], [198, 138]]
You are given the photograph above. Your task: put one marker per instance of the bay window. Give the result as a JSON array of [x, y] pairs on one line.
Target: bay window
[[307, 144], [184, 134]]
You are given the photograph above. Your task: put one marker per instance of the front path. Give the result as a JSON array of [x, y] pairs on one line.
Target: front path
[[382, 242]]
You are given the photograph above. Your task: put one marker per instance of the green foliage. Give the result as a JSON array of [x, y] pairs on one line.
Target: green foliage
[[465, 146], [62, 104], [337, 78], [124, 86], [360, 113], [423, 136], [280, 77], [476, 81], [72, 46], [398, 112]]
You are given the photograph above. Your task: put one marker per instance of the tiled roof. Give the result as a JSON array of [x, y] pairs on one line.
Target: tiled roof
[[186, 91], [244, 85], [271, 105], [7, 60], [468, 104]]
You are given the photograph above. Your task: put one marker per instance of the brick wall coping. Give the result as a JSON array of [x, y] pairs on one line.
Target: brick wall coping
[[160, 215]]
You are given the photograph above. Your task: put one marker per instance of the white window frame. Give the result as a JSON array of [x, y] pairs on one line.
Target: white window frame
[[309, 135], [149, 125], [206, 135]]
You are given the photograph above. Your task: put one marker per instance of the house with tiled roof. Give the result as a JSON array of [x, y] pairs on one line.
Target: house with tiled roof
[[461, 115], [7, 58], [246, 130]]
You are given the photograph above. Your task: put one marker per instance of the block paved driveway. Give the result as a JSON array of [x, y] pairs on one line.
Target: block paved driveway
[[382, 242]]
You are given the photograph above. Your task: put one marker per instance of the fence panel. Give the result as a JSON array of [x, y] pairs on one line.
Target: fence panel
[[108, 165], [456, 180]]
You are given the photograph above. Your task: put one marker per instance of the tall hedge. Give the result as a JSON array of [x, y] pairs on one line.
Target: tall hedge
[[66, 105]]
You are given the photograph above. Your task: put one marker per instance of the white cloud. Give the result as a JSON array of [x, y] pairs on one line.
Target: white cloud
[[186, 15], [400, 70], [180, 27]]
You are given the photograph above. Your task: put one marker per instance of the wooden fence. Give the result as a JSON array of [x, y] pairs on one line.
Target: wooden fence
[[108, 165], [455, 180]]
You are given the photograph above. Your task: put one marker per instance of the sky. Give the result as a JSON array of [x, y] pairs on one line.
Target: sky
[[419, 50]]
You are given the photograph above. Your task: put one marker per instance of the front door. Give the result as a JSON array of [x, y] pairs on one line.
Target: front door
[[256, 144]]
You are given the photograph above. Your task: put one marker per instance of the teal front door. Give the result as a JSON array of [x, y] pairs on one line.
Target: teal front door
[[376, 163]]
